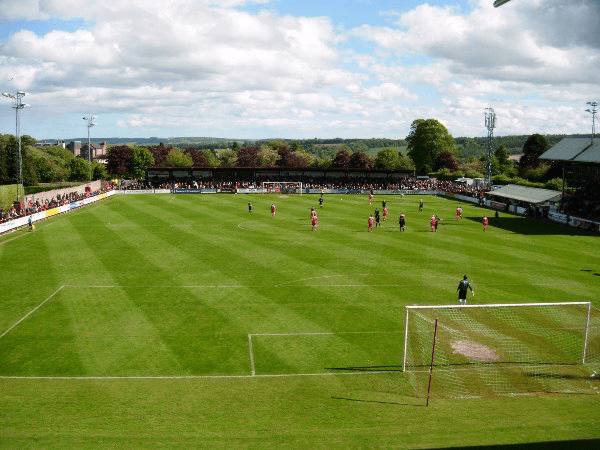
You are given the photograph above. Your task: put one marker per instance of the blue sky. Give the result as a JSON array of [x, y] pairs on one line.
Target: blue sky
[[290, 69]]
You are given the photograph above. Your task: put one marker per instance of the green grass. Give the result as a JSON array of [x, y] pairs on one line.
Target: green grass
[[130, 324], [8, 194]]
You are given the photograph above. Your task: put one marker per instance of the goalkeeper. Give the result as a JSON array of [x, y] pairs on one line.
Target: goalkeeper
[[462, 288]]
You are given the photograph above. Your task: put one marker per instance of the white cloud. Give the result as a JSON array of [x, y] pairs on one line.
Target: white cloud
[[213, 67]]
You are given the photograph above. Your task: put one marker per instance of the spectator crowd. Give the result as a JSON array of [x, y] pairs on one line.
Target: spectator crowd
[[585, 203], [31, 207]]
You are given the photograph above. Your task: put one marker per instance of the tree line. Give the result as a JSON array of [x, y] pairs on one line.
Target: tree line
[[428, 149]]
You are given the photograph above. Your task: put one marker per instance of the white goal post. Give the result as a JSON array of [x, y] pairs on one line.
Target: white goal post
[[283, 187], [502, 348]]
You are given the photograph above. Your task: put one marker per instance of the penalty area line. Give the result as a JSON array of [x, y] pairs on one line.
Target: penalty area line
[[197, 377], [31, 312]]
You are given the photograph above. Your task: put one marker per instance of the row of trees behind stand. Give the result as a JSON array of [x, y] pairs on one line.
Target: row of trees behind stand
[[428, 149]]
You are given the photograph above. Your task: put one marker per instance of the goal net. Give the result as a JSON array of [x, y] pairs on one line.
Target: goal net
[[282, 187], [504, 349]]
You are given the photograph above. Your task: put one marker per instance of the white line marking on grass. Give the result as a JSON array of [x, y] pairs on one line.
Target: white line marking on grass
[[145, 286], [225, 286], [252, 369], [326, 333], [31, 312], [325, 276], [197, 377]]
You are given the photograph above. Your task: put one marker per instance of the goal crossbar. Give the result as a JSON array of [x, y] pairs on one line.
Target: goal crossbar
[[497, 305]]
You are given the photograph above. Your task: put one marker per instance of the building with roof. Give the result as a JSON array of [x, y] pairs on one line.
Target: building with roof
[[98, 150], [580, 160], [524, 200]]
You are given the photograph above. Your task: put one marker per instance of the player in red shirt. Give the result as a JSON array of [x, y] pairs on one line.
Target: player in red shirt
[[385, 213], [485, 222], [370, 198], [433, 222], [314, 221], [273, 209], [371, 223]]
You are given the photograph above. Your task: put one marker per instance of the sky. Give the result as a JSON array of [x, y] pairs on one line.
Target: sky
[[261, 69]]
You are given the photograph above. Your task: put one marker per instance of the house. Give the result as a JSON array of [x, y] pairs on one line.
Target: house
[[98, 150]]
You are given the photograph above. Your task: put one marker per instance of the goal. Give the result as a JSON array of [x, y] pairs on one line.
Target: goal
[[502, 349], [282, 187]]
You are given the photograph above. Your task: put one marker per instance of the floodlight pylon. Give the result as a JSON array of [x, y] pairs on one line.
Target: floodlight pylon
[[490, 124], [18, 105]]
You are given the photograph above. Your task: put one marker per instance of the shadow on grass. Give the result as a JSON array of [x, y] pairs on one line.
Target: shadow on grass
[[523, 225], [551, 445], [377, 401]]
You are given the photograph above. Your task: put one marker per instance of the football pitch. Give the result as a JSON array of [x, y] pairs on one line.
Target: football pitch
[[185, 321]]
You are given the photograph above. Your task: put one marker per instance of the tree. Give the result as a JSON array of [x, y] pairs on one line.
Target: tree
[[211, 158], [405, 163], [388, 158], [197, 156], [342, 159], [267, 156], [309, 160], [118, 160], [248, 157], [228, 158], [296, 147], [160, 153], [177, 158], [534, 146], [360, 160], [502, 154], [141, 158], [99, 171], [46, 172], [288, 158], [445, 160], [78, 169], [426, 140]]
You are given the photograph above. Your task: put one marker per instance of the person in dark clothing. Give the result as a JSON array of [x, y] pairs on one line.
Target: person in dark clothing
[[462, 288]]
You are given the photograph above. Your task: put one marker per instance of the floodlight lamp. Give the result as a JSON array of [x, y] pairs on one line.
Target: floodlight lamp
[[21, 93]]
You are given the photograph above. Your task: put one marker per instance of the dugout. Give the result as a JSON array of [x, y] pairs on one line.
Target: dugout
[[524, 200]]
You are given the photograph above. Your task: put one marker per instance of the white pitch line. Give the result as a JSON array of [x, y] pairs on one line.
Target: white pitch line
[[326, 333], [31, 312], [200, 377], [252, 369], [215, 286], [325, 276]]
